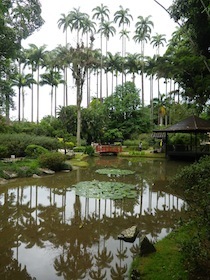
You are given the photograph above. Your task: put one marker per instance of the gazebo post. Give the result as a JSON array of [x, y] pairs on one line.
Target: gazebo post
[[166, 151]]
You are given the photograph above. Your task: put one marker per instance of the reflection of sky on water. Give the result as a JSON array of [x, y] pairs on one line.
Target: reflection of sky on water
[[91, 224]]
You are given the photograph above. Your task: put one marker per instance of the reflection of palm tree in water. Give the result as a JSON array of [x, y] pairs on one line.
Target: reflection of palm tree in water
[[119, 272], [71, 266], [74, 263]]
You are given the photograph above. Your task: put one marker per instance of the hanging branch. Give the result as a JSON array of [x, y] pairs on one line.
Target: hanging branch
[[180, 25]]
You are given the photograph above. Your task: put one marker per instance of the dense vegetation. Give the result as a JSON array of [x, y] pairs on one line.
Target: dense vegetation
[[122, 115]]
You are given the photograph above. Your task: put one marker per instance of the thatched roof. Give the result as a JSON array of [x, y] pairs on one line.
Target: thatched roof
[[190, 124]]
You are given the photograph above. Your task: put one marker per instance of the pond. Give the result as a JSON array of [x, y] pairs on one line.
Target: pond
[[49, 232]]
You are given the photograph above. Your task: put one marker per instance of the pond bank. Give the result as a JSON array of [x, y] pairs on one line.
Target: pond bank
[[167, 262]]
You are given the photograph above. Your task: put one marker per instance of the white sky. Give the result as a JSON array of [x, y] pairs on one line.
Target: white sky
[[52, 36]]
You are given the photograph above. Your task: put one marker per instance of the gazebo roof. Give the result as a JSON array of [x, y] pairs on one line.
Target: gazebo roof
[[190, 124]]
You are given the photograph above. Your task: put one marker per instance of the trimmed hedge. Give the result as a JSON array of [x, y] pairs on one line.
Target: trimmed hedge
[[54, 161], [16, 143], [34, 151]]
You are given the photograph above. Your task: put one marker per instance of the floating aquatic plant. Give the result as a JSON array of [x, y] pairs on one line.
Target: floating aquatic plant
[[114, 171], [105, 190]]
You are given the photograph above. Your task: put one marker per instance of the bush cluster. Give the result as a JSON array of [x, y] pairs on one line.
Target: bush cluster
[[34, 151], [194, 181], [54, 161], [16, 143]]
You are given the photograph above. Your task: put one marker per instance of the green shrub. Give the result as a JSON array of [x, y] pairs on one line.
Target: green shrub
[[194, 181], [80, 149], [129, 143], [54, 160], [3, 151], [34, 151], [23, 168], [181, 139], [16, 143], [89, 150]]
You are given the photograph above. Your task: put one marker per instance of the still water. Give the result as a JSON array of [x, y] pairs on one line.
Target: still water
[[47, 232]]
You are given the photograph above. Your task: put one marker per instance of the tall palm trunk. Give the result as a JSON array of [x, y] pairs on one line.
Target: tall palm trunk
[[23, 104], [101, 73], [37, 120], [151, 100], [79, 120]]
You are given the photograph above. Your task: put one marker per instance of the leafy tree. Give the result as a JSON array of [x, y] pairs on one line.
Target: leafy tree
[[81, 60], [18, 20], [93, 122], [193, 16], [124, 112], [68, 118], [7, 73]]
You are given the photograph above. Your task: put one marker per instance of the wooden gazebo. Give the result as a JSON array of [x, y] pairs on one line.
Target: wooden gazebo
[[194, 126]]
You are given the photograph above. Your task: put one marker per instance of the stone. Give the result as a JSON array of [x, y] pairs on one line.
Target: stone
[[36, 176], [146, 247], [47, 171], [129, 234], [10, 175], [3, 181]]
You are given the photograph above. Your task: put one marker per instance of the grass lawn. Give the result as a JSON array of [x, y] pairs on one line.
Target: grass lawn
[[167, 262]]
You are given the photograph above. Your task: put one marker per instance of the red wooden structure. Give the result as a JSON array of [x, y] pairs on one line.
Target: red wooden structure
[[108, 149]]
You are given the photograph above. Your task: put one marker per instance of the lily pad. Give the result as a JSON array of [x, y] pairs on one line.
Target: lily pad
[[114, 171], [105, 190]]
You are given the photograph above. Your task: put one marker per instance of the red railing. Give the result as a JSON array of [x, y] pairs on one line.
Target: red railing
[[108, 149]]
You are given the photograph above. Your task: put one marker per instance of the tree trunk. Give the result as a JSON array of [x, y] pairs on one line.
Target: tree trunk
[[78, 114]]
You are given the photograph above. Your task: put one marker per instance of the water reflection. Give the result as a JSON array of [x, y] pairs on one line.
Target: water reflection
[[48, 232]]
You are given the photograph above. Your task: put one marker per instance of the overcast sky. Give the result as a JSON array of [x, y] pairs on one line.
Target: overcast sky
[[50, 35]]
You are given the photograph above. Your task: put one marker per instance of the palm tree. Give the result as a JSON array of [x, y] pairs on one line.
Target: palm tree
[[30, 63], [150, 68], [107, 29], [113, 63], [63, 58], [101, 13], [37, 55], [142, 34], [157, 41], [52, 78], [123, 17], [81, 59], [132, 64], [88, 29], [65, 21], [21, 81], [77, 21]]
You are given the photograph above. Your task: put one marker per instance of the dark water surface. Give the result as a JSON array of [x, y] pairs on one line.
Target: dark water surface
[[47, 232]]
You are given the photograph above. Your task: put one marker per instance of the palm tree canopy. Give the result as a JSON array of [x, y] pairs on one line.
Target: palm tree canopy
[[107, 29], [158, 40], [22, 80], [144, 25], [64, 21], [37, 54], [52, 78], [124, 33], [122, 16], [77, 19], [101, 12]]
